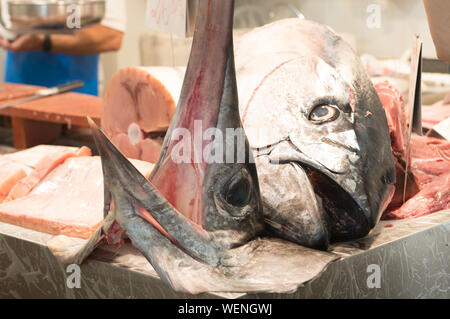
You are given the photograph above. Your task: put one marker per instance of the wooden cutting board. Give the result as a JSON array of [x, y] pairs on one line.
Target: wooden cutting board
[[9, 91], [67, 108], [39, 121]]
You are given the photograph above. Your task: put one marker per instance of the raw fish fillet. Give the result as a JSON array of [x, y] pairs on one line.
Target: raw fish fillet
[[69, 201], [430, 160], [432, 198], [146, 100], [42, 169], [32, 156], [429, 176], [436, 113], [14, 167], [10, 174]]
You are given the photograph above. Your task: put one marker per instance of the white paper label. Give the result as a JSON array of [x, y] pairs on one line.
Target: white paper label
[[443, 128], [168, 16]]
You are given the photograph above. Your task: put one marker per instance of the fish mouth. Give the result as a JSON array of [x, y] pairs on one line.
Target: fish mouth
[[296, 215], [345, 218], [325, 203], [325, 210]]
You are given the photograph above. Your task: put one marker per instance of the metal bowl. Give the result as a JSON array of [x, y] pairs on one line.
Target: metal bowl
[[52, 16]]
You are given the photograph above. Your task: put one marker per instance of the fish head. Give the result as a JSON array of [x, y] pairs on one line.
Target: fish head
[[205, 180], [324, 129], [231, 203]]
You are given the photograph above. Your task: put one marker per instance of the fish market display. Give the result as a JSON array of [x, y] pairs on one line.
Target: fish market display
[[146, 99], [248, 192], [282, 198], [208, 235], [317, 74], [428, 157]]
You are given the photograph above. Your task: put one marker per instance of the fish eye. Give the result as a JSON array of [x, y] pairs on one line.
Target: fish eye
[[324, 113], [239, 190]]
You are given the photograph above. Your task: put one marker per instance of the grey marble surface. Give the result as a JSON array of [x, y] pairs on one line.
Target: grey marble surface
[[413, 256]]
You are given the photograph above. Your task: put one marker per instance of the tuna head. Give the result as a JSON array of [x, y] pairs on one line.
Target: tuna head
[[198, 218], [321, 127]]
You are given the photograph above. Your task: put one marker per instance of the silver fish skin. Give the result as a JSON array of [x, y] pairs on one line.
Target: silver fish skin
[[227, 250], [325, 164]]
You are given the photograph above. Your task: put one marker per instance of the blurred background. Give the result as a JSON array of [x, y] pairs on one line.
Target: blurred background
[[387, 37]]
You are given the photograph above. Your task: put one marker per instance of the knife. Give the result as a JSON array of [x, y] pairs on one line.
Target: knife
[[414, 104], [46, 92]]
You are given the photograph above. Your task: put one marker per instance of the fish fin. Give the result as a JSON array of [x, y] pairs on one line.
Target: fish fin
[[414, 105], [417, 87], [133, 195]]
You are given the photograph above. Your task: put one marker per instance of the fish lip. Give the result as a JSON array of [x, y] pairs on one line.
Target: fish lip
[[342, 223], [345, 214], [319, 241], [301, 218], [300, 156], [304, 159]]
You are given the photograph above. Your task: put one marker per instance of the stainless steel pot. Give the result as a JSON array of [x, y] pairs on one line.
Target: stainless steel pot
[[52, 16]]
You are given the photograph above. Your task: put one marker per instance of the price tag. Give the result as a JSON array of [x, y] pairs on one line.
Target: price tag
[[168, 15]]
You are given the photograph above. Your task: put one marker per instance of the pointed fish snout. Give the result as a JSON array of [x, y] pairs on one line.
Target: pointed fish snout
[[290, 206], [329, 205]]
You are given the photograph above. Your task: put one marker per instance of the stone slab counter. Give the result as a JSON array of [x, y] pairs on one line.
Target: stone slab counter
[[412, 256]]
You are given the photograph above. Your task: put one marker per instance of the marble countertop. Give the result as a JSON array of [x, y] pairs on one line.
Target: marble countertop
[[412, 255]]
